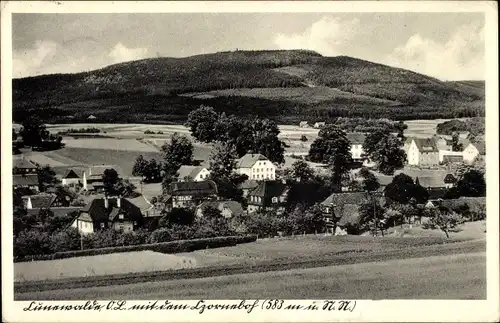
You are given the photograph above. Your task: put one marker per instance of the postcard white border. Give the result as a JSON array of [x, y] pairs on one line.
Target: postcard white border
[[389, 311]]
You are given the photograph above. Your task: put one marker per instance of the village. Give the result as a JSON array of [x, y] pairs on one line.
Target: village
[[86, 198]]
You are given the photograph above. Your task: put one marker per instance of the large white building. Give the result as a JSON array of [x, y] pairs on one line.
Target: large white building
[[256, 167], [422, 152], [473, 151], [356, 140]]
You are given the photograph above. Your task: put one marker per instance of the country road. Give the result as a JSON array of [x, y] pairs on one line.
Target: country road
[[460, 276]]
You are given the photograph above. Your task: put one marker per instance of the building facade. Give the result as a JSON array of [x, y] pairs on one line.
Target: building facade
[[256, 167]]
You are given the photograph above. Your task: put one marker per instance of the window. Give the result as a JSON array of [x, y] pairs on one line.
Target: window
[[135, 222], [274, 200], [120, 216]]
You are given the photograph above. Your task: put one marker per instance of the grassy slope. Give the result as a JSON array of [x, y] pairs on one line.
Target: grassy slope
[[144, 88], [441, 277]]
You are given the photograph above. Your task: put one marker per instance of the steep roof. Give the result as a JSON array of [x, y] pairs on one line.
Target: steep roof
[[193, 188], [269, 189], [140, 202], [345, 198], [235, 207], [25, 180], [99, 213], [189, 171], [350, 215], [40, 201], [63, 171], [480, 146], [249, 184], [22, 163], [426, 145], [249, 160], [450, 179], [356, 138], [98, 170]]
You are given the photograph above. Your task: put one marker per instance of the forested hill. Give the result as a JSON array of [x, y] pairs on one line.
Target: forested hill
[[286, 85]]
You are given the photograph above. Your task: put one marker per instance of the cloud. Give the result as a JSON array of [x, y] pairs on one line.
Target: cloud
[[121, 53], [328, 36], [32, 60], [461, 57]]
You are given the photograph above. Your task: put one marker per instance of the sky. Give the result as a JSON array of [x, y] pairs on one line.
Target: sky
[[448, 46]]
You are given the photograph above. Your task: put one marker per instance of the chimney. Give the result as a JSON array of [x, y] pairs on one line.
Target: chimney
[[118, 201], [106, 202]]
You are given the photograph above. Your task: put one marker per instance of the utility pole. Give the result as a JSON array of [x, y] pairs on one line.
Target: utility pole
[[81, 234], [374, 213]]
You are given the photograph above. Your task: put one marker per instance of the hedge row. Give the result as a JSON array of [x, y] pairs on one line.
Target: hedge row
[[163, 247]]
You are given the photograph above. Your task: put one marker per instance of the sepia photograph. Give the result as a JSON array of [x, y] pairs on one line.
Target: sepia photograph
[[248, 155]]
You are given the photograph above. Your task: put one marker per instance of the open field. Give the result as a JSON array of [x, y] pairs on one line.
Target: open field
[[117, 263], [287, 250], [460, 276]]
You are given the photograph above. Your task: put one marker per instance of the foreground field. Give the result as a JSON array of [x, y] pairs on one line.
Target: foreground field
[[460, 276]]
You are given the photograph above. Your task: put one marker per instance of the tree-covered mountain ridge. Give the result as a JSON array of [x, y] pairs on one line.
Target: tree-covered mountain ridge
[[282, 84]]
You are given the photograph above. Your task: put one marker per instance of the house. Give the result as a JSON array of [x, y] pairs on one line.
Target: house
[[268, 196], [342, 210], [192, 173], [247, 186], [423, 152], [357, 140], [442, 143], [256, 167], [449, 180], [24, 175], [92, 117], [108, 213], [304, 124], [228, 209], [93, 176], [473, 151], [319, 125], [191, 194], [35, 203]]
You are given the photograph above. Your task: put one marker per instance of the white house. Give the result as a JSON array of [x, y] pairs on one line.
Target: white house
[[256, 166], [193, 173], [319, 124], [303, 124], [473, 151], [422, 152], [356, 140]]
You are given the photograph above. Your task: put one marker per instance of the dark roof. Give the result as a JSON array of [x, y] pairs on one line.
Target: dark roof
[[235, 207], [193, 188], [436, 193], [249, 160], [345, 198], [97, 211], [356, 138], [249, 184], [350, 215], [25, 180], [98, 170], [426, 145], [22, 163], [63, 171], [450, 179], [40, 201], [269, 189]]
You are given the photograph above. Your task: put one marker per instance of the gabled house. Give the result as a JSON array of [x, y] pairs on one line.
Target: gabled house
[[341, 210], [473, 151], [228, 209], [191, 194], [24, 175], [256, 167], [54, 203], [423, 152], [450, 180], [267, 196], [192, 173], [304, 124], [248, 186], [91, 117], [93, 176], [108, 213], [357, 140], [319, 125]]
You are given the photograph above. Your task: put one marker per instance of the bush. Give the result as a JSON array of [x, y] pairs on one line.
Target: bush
[[164, 247]]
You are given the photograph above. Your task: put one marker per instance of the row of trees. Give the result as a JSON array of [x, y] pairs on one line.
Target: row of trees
[[36, 135]]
